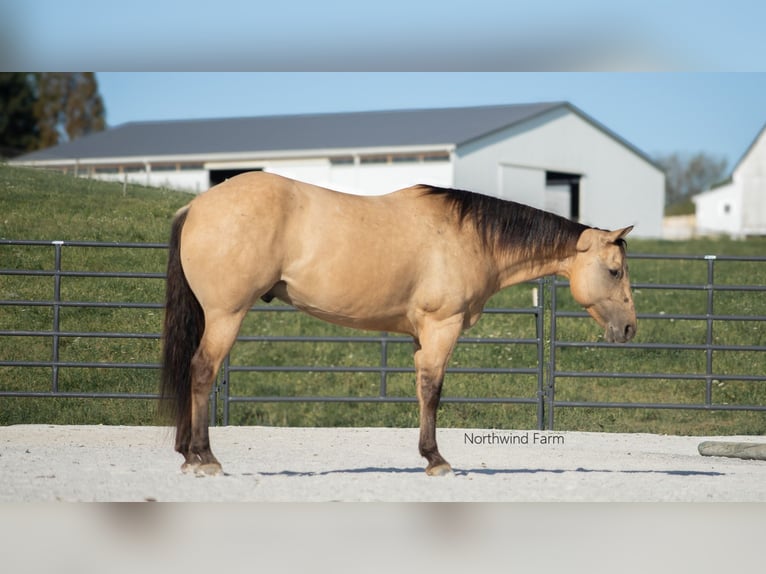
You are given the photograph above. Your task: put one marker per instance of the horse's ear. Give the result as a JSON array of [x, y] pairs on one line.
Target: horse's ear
[[618, 234], [590, 235], [585, 240]]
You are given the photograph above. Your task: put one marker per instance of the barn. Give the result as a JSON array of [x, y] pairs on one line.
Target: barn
[[548, 155], [737, 206]]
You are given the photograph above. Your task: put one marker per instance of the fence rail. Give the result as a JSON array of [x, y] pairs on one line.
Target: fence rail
[[548, 314]]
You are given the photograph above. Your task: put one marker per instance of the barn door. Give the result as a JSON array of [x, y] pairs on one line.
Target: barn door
[[562, 194], [523, 184], [552, 191]]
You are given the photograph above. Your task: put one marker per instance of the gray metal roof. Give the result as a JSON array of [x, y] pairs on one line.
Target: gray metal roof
[[451, 126], [294, 132]]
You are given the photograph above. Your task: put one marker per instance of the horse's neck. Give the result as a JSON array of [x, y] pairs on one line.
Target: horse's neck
[[513, 269], [535, 245]]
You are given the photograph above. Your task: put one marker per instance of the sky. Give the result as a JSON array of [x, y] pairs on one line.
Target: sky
[[681, 76], [660, 113], [300, 35]]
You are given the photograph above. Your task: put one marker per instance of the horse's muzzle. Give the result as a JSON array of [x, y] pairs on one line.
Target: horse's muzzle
[[620, 333]]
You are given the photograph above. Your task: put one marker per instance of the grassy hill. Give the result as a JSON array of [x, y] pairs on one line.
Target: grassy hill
[[43, 205], [48, 206], [40, 205]]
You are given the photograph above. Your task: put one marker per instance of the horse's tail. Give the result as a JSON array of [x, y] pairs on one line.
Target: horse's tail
[[181, 334]]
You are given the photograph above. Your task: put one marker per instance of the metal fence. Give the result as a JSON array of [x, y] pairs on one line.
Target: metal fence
[[716, 370], [550, 317]]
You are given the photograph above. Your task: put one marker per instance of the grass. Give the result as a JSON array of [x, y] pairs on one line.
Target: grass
[[47, 206], [36, 205]]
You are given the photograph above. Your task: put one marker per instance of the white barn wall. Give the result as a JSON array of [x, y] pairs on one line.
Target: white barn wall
[[751, 176], [194, 181], [377, 179], [754, 197], [719, 210], [739, 207], [359, 178], [315, 171], [371, 178], [617, 187], [522, 183]]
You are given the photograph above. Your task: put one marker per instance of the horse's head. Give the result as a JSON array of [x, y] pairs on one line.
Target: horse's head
[[599, 282]]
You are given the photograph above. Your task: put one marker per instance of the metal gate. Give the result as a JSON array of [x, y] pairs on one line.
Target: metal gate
[[36, 286]]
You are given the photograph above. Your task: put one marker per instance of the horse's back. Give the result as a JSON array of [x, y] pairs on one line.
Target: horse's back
[[255, 203]]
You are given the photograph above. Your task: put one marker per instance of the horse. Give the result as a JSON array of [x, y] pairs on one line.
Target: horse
[[420, 261]]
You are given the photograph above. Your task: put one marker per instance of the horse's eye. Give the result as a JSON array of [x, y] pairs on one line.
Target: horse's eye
[[615, 273]]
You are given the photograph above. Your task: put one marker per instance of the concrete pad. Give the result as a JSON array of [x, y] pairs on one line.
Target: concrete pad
[[746, 450]]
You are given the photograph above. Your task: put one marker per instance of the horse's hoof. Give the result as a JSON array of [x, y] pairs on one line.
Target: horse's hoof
[[209, 469], [189, 467], [443, 469]]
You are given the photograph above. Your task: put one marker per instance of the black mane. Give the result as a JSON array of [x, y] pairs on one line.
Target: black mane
[[505, 225]]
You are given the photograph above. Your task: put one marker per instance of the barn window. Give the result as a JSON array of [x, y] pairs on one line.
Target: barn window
[[107, 169], [375, 159], [164, 167], [190, 166], [436, 156]]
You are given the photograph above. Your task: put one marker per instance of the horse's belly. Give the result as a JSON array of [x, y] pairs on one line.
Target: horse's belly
[[366, 311]]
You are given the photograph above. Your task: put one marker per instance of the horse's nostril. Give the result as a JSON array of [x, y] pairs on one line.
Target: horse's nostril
[[630, 330]]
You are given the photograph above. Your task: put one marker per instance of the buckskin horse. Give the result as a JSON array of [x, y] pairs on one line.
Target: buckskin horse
[[422, 261]]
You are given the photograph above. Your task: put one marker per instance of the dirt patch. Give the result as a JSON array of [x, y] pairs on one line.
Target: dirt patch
[[113, 463]]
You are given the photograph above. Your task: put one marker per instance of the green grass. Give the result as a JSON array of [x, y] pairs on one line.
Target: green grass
[[36, 205], [47, 206]]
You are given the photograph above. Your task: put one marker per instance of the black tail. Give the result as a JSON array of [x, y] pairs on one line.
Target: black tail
[[181, 335]]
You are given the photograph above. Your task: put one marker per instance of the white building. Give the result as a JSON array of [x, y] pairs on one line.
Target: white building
[[737, 207], [549, 155]]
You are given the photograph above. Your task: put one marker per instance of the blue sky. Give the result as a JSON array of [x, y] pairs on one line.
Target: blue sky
[[511, 35], [660, 113], [682, 76]]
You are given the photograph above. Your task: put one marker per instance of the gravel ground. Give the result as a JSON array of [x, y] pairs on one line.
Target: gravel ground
[[113, 463]]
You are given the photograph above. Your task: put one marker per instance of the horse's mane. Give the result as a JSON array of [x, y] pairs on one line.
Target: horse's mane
[[507, 226]]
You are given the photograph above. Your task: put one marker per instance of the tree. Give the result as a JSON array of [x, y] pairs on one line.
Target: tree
[[68, 106], [686, 176], [18, 123]]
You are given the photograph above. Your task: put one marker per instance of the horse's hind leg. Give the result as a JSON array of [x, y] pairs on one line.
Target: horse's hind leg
[[220, 333]]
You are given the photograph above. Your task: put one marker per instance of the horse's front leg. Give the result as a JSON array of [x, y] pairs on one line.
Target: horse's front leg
[[433, 349]]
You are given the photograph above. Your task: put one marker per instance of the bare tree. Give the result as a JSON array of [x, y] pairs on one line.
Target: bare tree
[[688, 175]]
